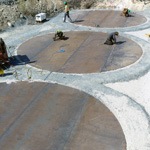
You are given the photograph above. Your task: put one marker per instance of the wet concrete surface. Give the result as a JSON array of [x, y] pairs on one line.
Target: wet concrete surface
[[82, 52], [106, 19], [53, 117]]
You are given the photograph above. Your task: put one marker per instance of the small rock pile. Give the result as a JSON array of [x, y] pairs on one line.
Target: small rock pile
[[8, 15]]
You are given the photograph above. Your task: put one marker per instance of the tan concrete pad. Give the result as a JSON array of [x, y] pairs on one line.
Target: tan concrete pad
[[82, 52], [106, 19], [40, 116]]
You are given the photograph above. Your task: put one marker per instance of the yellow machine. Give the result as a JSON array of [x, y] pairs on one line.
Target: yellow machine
[[1, 71]]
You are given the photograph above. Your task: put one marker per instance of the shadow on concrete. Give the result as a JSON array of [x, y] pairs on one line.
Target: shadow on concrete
[[77, 21], [120, 42], [20, 60], [41, 22], [6, 74], [65, 38], [62, 38], [131, 16]]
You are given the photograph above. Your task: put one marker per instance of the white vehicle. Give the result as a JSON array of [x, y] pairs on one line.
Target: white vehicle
[[40, 17]]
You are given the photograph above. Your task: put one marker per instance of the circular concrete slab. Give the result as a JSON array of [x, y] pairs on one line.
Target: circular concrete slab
[[106, 19], [41, 116], [82, 52]]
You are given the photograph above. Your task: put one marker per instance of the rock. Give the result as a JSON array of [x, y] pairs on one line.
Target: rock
[[10, 24], [2, 9]]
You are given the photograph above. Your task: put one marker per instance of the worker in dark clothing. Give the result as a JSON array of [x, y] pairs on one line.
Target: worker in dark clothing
[[59, 35], [126, 12], [66, 12], [111, 38]]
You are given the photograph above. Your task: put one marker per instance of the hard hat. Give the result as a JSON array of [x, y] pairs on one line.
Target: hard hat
[[58, 31], [116, 33], [65, 3]]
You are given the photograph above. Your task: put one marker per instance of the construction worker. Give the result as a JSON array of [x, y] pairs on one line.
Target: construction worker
[[126, 12], [111, 39], [58, 35], [66, 12]]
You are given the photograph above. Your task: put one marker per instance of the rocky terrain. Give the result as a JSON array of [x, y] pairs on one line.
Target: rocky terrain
[[19, 12]]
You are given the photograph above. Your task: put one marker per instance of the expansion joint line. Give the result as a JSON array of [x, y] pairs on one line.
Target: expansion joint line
[[113, 47]]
